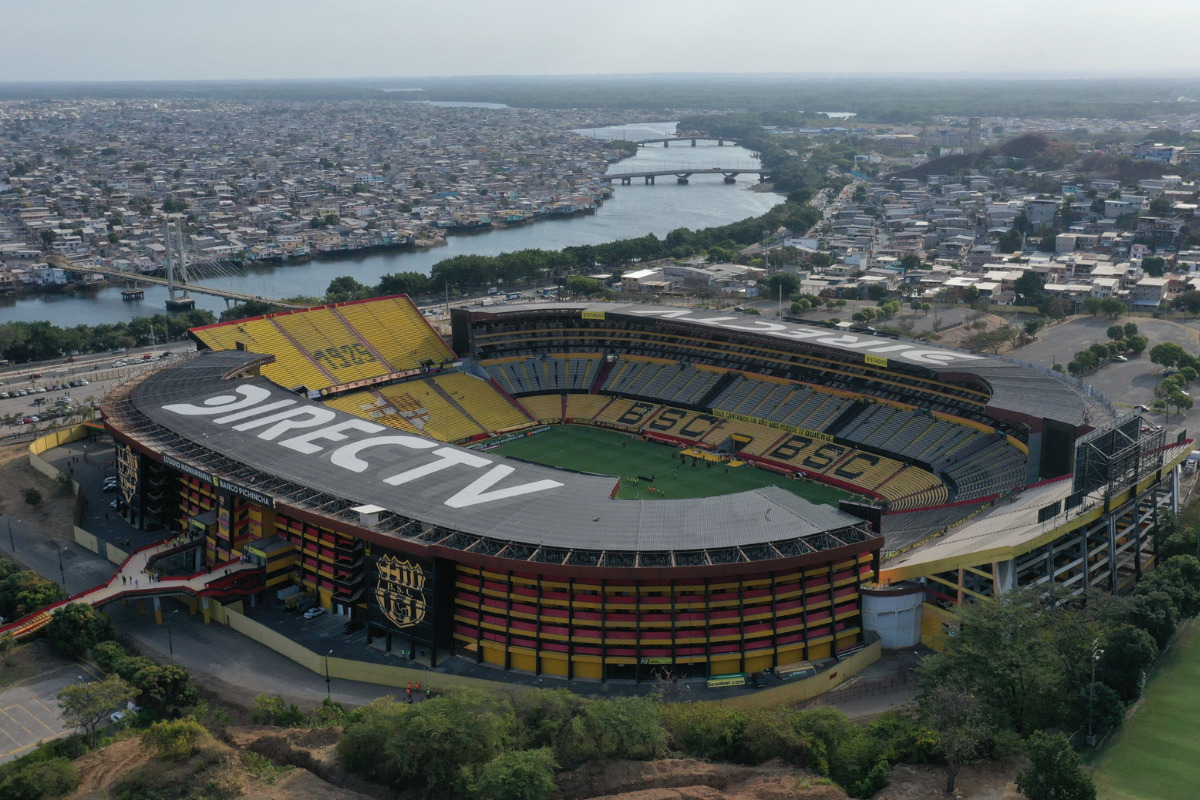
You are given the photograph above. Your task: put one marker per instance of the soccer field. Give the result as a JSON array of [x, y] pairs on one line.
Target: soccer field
[[1156, 754], [611, 453]]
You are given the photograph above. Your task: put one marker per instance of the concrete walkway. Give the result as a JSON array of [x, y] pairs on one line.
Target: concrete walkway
[[136, 578]]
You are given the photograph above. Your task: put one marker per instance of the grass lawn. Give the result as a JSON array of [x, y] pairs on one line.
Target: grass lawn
[[1156, 754], [611, 453]]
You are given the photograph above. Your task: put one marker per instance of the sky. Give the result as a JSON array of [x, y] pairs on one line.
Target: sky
[[117, 40]]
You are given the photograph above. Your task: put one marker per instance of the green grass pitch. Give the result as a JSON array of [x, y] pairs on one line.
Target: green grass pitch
[[613, 453], [1156, 754]]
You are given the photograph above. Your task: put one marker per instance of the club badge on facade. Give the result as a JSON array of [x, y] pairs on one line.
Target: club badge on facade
[[400, 592]]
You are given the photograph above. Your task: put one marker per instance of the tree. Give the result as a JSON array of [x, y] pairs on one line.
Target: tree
[[1033, 325], [345, 288], [1010, 242], [438, 744], [1092, 305], [32, 497], [410, 283], [1131, 329], [962, 729], [1112, 307], [8, 644], [1136, 344], [86, 705], [518, 775], [1128, 653], [76, 628], [24, 592], [1153, 266], [786, 281], [165, 691], [1030, 289], [578, 284], [1054, 772], [1167, 354], [1116, 332], [1155, 613], [1018, 656], [1188, 302]]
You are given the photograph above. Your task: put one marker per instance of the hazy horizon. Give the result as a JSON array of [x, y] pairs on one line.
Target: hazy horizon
[[66, 41]]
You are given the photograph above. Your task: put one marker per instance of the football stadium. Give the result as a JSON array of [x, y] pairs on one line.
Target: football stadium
[[600, 490]]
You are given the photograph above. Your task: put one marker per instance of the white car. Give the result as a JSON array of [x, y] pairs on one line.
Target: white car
[[120, 363], [314, 612]]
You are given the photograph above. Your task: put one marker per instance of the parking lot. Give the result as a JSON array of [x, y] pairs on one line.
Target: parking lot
[[29, 712]]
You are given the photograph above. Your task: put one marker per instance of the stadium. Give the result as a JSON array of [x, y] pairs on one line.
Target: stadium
[[599, 491]]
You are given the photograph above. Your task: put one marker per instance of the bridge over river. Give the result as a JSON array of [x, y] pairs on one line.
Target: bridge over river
[[666, 140], [186, 287], [682, 174]]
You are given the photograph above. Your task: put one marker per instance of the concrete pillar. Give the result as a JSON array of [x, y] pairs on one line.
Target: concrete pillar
[[1174, 490], [693, 142], [1112, 549], [157, 610], [206, 604], [1004, 576]]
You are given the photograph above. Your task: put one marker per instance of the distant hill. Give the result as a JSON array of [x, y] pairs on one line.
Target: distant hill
[[1034, 150]]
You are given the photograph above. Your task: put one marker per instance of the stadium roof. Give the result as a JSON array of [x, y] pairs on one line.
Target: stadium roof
[[1016, 387], [251, 435]]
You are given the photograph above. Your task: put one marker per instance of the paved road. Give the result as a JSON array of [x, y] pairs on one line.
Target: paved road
[[1128, 384], [29, 713]]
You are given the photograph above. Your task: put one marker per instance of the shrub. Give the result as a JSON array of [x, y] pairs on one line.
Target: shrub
[[173, 740], [327, 715], [768, 735], [274, 710], [107, 654], [367, 733], [1054, 772], [518, 775], [41, 780], [706, 730]]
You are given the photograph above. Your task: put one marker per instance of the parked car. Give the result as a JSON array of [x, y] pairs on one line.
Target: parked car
[[314, 612], [120, 362]]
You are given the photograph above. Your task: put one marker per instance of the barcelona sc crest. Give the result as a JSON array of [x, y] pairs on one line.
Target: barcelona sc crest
[[400, 592]]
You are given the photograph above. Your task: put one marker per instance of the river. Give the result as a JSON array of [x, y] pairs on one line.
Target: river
[[634, 210]]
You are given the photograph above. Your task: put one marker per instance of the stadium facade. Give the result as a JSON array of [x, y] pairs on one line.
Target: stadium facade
[[344, 449]]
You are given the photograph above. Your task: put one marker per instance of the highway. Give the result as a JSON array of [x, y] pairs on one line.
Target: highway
[[97, 369]]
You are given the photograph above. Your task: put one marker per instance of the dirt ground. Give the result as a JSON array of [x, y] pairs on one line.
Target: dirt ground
[[16, 476], [29, 659], [306, 768], [682, 779], [956, 336], [982, 782], [219, 769]]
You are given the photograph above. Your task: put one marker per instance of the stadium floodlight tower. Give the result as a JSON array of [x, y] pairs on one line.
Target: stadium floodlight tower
[[1116, 457], [176, 260]]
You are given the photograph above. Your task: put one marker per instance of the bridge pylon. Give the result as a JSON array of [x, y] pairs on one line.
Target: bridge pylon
[[178, 298]]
